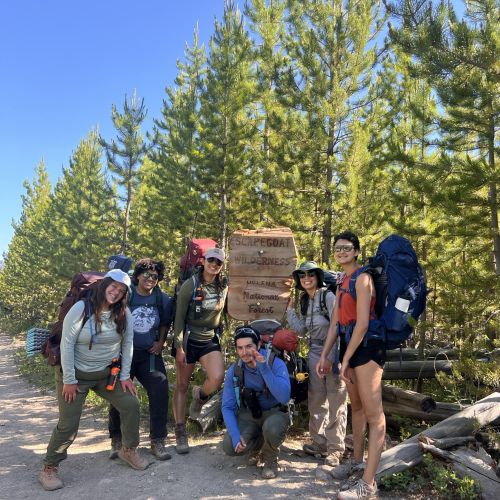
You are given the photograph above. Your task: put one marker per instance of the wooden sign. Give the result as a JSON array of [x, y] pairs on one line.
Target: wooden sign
[[260, 266]]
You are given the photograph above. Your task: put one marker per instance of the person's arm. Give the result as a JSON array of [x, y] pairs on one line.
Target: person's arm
[[296, 323], [324, 365], [364, 288], [330, 306], [165, 322], [72, 326], [230, 407], [127, 347], [276, 378], [183, 300]]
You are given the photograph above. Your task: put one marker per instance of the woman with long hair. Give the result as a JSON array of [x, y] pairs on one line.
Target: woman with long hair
[[327, 394], [362, 364], [200, 303], [89, 344]]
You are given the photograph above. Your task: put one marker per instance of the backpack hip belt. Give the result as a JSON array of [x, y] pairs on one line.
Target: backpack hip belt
[[346, 331], [319, 342]]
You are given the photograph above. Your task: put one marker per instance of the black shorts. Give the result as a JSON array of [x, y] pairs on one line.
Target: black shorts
[[196, 349], [373, 351]]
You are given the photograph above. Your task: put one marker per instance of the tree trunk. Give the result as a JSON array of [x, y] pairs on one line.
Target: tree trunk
[[492, 196], [466, 422], [421, 402], [394, 370], [441, 412]]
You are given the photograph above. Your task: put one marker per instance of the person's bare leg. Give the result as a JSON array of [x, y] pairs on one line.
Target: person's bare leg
[[358, 422], [369, 377], [182, 376], [213, 364]]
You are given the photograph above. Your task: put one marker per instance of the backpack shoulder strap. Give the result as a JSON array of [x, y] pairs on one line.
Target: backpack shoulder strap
[[351, 288], [196, 285], [270, 360], [322, 301], [132, 296], [158, 298]]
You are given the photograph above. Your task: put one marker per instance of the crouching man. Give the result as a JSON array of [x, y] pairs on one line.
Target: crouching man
[[254, 403]]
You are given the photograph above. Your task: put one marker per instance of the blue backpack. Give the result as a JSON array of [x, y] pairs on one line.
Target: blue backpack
[[400, 291]]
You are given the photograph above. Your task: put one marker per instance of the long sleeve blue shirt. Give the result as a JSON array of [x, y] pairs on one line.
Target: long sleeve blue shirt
[[274, 377]]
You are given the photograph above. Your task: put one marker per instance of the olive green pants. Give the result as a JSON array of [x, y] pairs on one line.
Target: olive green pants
[[69, 413], [266, 433]]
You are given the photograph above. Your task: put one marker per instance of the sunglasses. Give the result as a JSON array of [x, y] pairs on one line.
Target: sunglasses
[[343, 248], [213, 260], [306, 274], [148, 275]]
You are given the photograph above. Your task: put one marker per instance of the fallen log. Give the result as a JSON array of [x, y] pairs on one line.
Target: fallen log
[[408, 354], [421, 402], [394, 370], [211, 413], [477, 465], [447, 443], [437, 415], [408, 453]]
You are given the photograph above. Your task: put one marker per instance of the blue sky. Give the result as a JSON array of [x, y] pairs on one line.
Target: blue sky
[[63, 63]]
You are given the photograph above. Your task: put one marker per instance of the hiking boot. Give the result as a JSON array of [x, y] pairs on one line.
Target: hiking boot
[[343, 471], [133, 458], [181, 440], [270, 469], [314, 449], [253, 457], [361, 490], [49, 479], [116, 446], [196, 403], [333, 459], [158, 449]]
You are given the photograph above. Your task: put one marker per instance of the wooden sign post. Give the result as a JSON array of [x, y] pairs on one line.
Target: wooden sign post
[[260, 265]]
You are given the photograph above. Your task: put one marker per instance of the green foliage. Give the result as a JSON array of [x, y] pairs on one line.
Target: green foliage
[[125, 155], [444, 482], [447, 483]]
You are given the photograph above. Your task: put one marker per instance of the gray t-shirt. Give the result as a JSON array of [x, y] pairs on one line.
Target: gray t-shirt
[[149, 312]]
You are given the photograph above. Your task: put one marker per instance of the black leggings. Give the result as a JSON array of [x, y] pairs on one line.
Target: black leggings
[[149, 369]]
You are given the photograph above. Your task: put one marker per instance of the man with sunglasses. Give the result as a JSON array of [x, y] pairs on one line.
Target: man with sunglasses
[[152, 315], [254, 403]]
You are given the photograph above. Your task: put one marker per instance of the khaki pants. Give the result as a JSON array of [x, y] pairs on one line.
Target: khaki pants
[[327, 409], [69, 413], [266, 433]]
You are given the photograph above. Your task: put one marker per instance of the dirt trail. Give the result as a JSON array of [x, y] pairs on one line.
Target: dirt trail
[[27, 417]]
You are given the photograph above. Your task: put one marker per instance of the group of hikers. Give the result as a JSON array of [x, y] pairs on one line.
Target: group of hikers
[[129, 320]]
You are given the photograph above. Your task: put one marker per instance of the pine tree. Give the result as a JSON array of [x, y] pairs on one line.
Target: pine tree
[[266, 21], [172, 200], [24, 278], [229, 128], [330, 45], [125, 155], [84, 215], [460, 60]]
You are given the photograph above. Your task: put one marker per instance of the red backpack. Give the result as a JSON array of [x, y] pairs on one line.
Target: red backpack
[[193, 257]]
